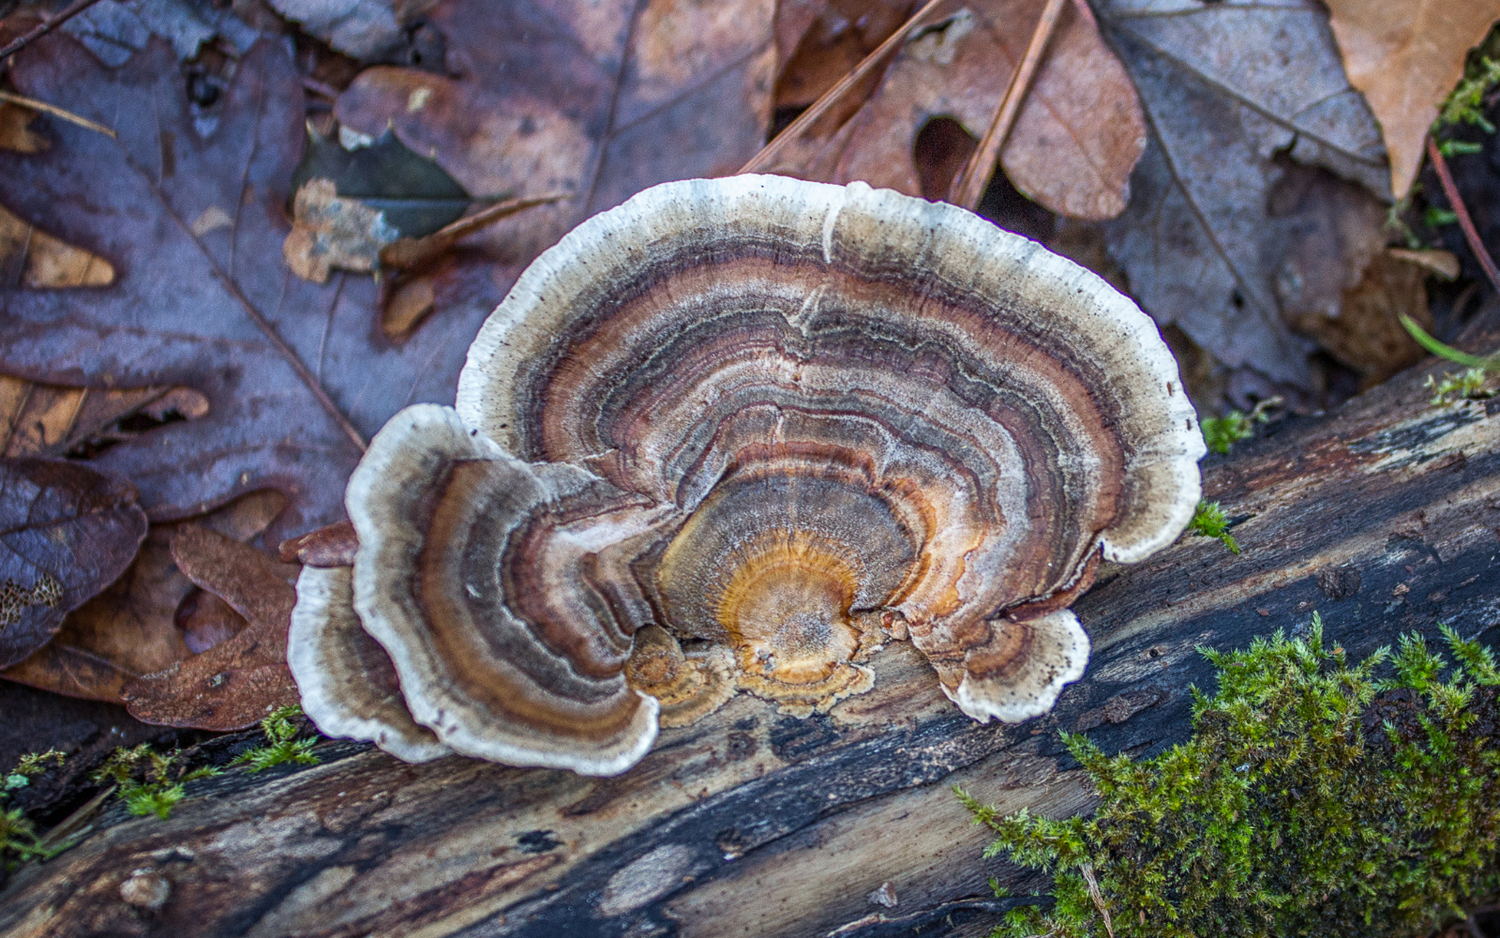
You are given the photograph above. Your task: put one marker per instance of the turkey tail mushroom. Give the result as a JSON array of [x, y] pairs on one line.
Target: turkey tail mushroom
[[790, 419]]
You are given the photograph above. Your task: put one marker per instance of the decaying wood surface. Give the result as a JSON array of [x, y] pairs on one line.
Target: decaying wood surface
[[1384, 516]]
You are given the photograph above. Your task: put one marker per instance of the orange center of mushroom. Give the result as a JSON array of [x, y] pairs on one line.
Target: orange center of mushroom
[[786, 606]]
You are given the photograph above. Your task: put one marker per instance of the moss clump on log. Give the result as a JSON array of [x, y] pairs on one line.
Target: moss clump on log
[[1312, 798]]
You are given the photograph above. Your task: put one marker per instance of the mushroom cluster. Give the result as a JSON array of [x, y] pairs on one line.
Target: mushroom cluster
[[738, 434]]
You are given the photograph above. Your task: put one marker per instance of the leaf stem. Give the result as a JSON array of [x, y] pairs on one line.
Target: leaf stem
[[1464, 221]]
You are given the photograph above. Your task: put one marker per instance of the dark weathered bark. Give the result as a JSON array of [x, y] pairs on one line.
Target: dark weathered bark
[[1383, 516]]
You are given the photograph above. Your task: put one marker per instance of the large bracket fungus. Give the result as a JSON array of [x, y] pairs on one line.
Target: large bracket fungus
[[748, 430]]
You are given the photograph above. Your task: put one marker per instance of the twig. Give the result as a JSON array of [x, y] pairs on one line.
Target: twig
[[1087, 870], [767, 155], [55, 111], [1464, 221], [43, 28], [968, 187]]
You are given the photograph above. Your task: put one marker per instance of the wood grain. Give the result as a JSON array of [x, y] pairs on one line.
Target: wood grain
[[1382, 515]]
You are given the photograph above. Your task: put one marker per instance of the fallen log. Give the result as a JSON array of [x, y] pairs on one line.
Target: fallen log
[[1384, 516]]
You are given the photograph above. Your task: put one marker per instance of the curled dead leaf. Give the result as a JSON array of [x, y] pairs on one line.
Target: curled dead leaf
[[328, 231], [53, 420], [236, 682]]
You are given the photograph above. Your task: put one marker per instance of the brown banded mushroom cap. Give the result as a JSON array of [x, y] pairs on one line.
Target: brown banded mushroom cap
[[869, 402], [494, 650], [346, 680], [788, 419]]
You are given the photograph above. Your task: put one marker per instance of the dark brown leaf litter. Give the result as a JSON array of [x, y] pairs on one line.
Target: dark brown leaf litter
[[68, 531], [1077, 136], [235, 682], [148, 619], [188, 206]]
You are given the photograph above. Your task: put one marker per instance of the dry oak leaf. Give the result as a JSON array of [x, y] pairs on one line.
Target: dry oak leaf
[[1075, 141], [1406, 55], [149, 619], [188, 206], [33, 258], [236, 682], [67, 532], [52, 420], [1227, 89], [595, 100]]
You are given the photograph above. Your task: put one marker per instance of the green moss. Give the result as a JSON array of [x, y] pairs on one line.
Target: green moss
[[1220, 433], [1314, 798], [1209, 520], [150, 782], [1453, 387], [1465, 105], [18, 837], [282, 746], [1472, 384]]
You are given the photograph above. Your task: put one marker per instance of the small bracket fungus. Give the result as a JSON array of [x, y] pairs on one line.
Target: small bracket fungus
[[778, 423], [687, 684]]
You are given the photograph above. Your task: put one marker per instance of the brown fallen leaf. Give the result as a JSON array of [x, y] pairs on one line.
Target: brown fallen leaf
[[329, 231], [68, 531], [1367, 335], [331, 546], [1075, 141], [236, 682], [1406, 55], [206, 621], [137, 626], [818, 42], [407, 302]]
